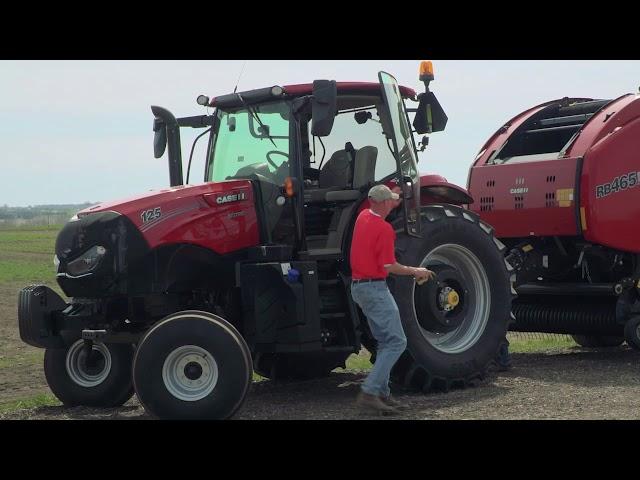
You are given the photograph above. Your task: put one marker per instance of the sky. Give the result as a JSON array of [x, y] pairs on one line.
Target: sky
[[76, 131]]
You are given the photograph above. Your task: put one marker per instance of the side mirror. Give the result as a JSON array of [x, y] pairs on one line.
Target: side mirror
[[324, 106], [159, 138], [362, 117], [430, 116], [167, 134]]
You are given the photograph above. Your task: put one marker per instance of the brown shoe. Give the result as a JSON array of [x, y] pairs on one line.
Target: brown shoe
[[373, 404], [392, 402]]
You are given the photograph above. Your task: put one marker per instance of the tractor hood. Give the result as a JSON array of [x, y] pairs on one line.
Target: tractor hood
[[219, 216], [101, 245], [194, 196]]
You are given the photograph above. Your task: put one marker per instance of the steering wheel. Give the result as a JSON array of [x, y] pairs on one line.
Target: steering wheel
[[275, 152]]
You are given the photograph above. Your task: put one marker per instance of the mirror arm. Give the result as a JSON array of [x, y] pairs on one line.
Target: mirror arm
[[199, 121], [300, 103]]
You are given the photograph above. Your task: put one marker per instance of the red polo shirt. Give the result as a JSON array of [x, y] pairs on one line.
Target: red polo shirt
[[372, 246]]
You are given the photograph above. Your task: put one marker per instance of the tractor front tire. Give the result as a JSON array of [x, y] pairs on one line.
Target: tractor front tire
[[455, 324], [192, 365], [102, 381]]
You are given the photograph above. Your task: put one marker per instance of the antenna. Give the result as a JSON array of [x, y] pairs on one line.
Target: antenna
[[240, 76]]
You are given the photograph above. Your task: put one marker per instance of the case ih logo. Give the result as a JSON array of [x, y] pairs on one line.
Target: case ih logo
[[231, 197], [518, 190]]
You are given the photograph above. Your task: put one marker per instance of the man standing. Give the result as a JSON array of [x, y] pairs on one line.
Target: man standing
[[372, 259]]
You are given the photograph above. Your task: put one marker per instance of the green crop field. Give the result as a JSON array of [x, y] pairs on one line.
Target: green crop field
[[26, 254], [29, 239]]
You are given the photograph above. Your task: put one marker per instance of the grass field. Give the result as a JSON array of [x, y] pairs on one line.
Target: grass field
[[26, 256]]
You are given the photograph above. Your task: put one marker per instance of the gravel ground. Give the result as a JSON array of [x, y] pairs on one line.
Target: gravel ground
[[573, 383]]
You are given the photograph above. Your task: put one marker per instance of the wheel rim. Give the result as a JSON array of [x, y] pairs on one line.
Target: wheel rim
[[476, 291], [190, 373], [88, 374]]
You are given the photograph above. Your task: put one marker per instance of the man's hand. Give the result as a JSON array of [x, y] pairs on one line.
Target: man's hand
[[422, 274], [397, 190]]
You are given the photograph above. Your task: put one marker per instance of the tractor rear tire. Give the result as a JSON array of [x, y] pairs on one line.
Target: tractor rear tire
[[298, 366], [594, 341], [103, 382], [192, 365], [453, 339], [632, 332]]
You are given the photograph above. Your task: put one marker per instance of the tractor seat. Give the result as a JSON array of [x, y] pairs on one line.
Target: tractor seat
[[340, 181], [337, 172], [335, 175], [329, 245]]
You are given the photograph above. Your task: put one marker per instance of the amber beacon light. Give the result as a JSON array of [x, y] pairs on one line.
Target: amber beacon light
[[426, 71]]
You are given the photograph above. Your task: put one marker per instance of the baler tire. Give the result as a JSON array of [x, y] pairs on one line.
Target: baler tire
[[432, 360], [75, 385]]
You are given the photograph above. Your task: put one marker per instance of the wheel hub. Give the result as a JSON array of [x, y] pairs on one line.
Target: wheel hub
[[448, 298], [440, 305], [88, 370], [190, 373], [453, 309], [93, 363], [193, 371]]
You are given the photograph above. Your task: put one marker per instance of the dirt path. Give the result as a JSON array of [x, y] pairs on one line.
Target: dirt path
[[569, 384], [572, 383]]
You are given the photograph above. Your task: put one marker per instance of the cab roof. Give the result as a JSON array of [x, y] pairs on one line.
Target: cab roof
[[346, 88], [263, 94]]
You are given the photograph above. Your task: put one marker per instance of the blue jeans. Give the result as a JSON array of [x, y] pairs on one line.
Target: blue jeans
[[379, 306]]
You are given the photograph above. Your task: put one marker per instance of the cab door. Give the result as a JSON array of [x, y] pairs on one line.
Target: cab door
[[405, 153]]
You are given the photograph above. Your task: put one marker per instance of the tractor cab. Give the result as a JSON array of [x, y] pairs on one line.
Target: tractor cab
[[339, 169], [312, 152]]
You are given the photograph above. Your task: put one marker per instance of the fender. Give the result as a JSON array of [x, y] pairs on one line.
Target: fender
[[436, 189]]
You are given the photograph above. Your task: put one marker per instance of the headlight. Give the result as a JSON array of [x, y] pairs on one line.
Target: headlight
[[56, 262], [86, 262]]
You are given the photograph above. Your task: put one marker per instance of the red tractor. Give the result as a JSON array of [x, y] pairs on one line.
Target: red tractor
[[560, 183], [180, 294]]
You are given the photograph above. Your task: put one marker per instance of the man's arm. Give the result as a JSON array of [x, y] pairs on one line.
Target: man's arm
[[418, 273], [396, 268]]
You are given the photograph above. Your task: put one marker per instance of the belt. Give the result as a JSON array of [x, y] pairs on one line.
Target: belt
[[367, 280]]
